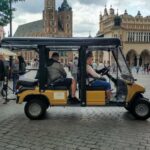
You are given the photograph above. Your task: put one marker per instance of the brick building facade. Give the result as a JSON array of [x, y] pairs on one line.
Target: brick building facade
[[55, 23]]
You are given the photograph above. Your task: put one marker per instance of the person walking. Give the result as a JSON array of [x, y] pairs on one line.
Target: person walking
[[15, 73], [22, 65], [2, 71]]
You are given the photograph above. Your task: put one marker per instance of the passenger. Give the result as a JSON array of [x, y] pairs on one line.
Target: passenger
[[94, 77], [57, 74]]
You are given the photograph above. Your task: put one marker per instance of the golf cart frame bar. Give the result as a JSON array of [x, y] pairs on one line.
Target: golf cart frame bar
[[44, 45], [35, 42]]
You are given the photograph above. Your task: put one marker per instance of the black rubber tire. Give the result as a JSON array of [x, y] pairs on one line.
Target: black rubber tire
[[41, 104], [136, 104]]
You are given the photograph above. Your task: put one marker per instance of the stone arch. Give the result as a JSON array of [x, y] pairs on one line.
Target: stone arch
[[145, 57], [131, 57]]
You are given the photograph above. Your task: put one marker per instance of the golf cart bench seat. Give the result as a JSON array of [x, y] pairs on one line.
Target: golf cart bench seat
[[28, 83], [56, 87], [91, 88]]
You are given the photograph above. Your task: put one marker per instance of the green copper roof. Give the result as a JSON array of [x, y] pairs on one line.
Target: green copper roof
[[64, 6]]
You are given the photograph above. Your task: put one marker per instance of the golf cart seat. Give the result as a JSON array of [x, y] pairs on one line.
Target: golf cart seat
[[27, 83], [91, 88], [55, 86]]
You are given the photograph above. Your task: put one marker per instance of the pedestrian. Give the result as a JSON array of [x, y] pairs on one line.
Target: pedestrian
[[75, 68], [15, 73], [2, 71], [22, 65], [137, 69], [148, 68]]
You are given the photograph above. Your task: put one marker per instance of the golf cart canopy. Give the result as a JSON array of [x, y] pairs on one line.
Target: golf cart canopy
[[43, 45], [60, 43]]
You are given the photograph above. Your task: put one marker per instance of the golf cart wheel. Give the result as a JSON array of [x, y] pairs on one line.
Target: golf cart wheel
[[141, 109], [35, 109]]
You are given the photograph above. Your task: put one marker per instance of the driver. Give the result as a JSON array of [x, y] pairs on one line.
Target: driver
[[94, 78]]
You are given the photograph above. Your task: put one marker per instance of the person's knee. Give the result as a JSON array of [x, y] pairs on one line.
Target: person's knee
[[108, 86]]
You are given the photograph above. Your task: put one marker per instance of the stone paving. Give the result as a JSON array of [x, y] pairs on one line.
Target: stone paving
[[76, 128]]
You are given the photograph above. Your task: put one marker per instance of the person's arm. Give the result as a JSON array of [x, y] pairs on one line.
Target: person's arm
[[92, 72]]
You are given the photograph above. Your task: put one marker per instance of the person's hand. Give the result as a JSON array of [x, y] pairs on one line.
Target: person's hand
[[105, 71]]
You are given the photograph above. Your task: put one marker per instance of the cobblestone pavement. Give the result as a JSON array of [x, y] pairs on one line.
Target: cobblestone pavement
[[94, 128]]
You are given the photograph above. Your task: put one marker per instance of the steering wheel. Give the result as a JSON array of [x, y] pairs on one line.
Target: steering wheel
[[105, 70]]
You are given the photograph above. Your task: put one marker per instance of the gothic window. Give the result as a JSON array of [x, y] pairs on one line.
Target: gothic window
[[137, 36], [149, 38], [128, 36], [144, 37]]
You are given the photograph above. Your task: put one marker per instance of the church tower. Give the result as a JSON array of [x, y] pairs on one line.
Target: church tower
[[49, 18], [65, 18]]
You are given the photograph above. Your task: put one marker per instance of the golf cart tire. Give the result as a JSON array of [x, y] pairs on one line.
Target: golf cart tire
[[29, 109], [139, 106]]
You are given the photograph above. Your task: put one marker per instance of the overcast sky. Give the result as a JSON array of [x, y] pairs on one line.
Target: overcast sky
[[85, 12]]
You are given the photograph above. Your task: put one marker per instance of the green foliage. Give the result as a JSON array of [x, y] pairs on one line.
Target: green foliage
[[6, 11]]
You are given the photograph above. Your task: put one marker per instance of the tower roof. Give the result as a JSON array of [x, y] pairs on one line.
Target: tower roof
[[139, 13], [64, 6], [105, 11]]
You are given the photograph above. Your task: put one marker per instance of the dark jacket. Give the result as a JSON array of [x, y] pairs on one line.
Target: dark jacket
[[55, 71], [2, 70]]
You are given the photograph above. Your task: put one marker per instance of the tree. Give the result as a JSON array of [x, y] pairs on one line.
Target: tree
[[4, 12]]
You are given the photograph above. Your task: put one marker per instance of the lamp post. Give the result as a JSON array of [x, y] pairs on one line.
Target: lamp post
[[10, 5]]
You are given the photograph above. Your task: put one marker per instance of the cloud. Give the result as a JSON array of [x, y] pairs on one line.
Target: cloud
[[29, 6], [85, 19], [93, 2], [85, 12]]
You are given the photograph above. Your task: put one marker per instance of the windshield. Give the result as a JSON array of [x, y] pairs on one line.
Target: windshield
[[124, 69]]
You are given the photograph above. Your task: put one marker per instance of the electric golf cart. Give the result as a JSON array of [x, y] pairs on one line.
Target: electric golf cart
[[38, 96]]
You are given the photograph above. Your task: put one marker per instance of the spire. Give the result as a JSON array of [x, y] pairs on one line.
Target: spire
[[117, 12], [105, 11], [139, 13], [64, 6], [89, 34], [101, 15], [125, 12], [111, 10]]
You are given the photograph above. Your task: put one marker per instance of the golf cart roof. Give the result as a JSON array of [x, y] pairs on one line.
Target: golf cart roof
[[59, 43]]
